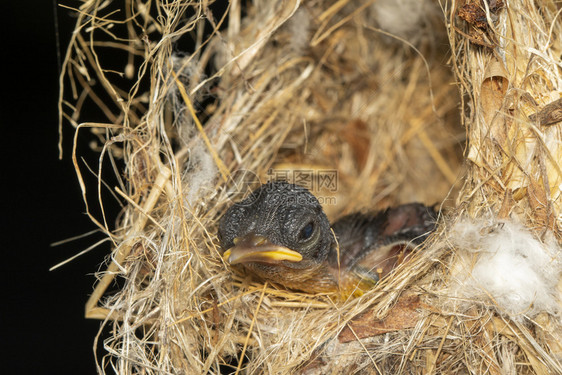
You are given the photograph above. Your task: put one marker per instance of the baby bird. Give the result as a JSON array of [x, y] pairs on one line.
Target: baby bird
[[280, 233]]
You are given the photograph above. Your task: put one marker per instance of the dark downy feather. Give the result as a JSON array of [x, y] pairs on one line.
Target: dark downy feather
[[363, 237]]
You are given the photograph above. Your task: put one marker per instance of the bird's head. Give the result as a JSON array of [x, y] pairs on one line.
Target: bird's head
[[279, 225]]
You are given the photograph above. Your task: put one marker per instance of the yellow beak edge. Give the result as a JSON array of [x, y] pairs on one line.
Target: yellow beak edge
[[253, 248]]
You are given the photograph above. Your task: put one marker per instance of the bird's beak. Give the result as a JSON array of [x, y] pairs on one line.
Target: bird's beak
[[254, 248]]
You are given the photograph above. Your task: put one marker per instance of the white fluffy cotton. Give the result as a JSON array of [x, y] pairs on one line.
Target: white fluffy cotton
[[402, 18], [299, 27], [200, 175], [506, 265]]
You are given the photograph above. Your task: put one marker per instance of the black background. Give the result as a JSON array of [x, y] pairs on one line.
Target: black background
[[42, 315]]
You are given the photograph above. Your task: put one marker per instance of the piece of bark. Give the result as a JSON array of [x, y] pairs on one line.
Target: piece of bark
[[403, 315], [550, 114]]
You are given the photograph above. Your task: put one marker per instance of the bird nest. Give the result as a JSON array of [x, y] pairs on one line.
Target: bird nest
[[368, 104]]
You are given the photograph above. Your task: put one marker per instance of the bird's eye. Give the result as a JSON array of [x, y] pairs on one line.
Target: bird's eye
[[306, 231]]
